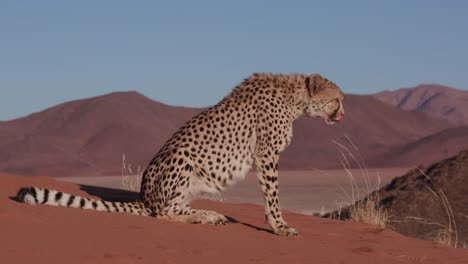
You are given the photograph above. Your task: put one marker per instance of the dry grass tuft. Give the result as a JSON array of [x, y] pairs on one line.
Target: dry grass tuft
[[369, 210], [131, 181], [444, 236]]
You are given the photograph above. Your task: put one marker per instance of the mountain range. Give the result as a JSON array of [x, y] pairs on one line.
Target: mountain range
[[90, 136], [435, 100]]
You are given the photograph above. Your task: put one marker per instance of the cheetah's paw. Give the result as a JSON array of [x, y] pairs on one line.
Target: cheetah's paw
[[286, 231]]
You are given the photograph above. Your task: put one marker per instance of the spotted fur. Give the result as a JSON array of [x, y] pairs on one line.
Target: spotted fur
[[217, 148]]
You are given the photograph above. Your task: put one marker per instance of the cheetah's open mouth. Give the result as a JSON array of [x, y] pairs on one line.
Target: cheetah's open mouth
[[330, 120]]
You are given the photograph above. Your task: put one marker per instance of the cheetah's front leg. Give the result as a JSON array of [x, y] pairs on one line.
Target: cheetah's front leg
[[268, 177]]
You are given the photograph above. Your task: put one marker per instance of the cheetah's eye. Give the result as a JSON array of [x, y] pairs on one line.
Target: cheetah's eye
[[334, 104]]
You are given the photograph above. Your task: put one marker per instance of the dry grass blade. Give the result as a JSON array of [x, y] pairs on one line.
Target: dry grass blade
[[424, 221], [131, 181], [449, 234]]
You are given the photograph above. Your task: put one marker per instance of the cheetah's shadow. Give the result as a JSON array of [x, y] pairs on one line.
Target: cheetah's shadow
[[117, 195], [109, 194]]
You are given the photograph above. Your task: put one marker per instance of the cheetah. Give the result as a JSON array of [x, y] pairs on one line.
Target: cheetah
[[217, 148]]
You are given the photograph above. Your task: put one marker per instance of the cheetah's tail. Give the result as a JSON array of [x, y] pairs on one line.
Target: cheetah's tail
[[35, 195]]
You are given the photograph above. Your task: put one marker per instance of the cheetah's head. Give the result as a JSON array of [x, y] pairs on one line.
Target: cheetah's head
[[324, 100]]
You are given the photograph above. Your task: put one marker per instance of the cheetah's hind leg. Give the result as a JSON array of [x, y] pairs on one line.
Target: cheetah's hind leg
[[195, 216]]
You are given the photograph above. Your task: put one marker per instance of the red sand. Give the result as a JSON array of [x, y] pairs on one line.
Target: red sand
[[45, 234]]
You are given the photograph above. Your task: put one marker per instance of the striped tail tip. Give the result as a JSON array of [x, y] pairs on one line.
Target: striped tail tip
[[27, 195]]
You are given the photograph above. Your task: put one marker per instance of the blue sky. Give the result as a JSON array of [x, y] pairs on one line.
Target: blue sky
[[193, 52]]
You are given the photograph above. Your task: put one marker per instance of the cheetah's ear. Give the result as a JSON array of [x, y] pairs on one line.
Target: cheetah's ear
[[313, 83]]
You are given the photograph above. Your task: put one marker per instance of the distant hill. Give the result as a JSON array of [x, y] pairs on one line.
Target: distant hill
[[430, 149], [434, 100], [89, 136]]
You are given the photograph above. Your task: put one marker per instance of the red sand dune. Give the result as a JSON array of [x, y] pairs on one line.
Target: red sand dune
[[45, 234], [89, 136], [434, 100]]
